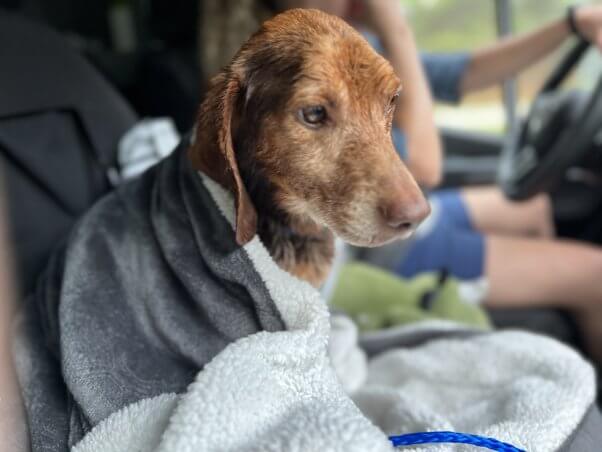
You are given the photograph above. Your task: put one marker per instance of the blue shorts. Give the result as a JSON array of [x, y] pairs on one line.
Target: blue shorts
[[450, 242]]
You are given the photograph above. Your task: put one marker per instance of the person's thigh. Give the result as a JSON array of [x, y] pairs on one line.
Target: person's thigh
[[527, 272], [491, 212]]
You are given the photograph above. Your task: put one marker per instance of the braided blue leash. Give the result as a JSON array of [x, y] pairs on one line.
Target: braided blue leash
[[452, 437]]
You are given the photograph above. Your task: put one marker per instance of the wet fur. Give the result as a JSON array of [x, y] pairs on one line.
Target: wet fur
[[294, 186]]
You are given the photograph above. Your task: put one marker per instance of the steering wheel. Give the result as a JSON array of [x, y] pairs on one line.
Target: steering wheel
[[537, 153]]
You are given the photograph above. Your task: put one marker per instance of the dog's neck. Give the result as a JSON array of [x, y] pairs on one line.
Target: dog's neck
[[305, 250], [298, 245]]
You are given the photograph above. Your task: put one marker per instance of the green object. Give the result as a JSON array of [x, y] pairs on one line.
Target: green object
[[377, 299]]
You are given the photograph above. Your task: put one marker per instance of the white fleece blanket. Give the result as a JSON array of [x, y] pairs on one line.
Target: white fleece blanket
[[280, 392]]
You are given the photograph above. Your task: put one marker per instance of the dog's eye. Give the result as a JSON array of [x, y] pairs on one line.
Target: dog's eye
[[313, 116]]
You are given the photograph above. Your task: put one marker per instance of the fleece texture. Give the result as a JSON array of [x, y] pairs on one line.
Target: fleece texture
[[150, 286], [275, 391]]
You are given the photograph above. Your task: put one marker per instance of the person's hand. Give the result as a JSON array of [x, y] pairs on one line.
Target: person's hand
[[588, 19]]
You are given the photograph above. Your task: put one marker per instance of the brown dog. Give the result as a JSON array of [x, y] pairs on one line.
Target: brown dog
[[298, 128]]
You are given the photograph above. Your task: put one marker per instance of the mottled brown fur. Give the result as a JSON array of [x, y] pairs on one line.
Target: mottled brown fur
[[297, 185]]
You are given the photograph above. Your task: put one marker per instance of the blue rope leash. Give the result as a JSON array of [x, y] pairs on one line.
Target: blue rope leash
[[452, 437]]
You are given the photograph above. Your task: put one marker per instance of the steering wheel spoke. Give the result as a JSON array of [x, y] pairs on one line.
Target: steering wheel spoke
[[560, 130]]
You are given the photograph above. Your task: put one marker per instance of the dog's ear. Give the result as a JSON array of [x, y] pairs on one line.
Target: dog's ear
[[213, 150]]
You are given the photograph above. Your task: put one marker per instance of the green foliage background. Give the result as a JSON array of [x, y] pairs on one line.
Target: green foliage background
[[468, 24]]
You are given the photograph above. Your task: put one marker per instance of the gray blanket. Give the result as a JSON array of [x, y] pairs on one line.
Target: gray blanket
[[148, 289]]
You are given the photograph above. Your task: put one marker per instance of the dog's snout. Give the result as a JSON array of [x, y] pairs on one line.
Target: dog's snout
[[404, 215]]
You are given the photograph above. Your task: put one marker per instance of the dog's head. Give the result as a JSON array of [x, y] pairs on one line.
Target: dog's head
[[302, 116]]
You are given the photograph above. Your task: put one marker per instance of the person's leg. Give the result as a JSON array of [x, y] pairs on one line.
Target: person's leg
[[521, 271], [491, 212], [527, 272]]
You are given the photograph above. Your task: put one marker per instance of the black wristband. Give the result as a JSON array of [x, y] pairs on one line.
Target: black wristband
[[572, 22]]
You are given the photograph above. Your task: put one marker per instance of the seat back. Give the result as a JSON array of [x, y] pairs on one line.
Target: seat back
[[60, 123]]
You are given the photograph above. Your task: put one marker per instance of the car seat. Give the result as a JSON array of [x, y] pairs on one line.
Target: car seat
[[60, 123]]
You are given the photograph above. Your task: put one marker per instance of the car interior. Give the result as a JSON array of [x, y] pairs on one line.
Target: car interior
[[106, 86], [101, 77]]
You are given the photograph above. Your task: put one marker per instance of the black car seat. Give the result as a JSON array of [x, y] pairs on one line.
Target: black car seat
[[60, 123]]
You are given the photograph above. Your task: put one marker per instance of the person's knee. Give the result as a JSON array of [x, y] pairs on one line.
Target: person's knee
[[597, 264], [542, 203], [590, 266], [543, 215]]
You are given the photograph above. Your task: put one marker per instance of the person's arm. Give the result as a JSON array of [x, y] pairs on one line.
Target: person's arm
[[504, 59], [415, 113]]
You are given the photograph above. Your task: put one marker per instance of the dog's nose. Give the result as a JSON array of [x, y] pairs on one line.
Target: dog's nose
[[405, 215]]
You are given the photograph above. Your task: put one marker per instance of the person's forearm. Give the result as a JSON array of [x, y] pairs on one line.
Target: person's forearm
[[415, 115], [496, 63]]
